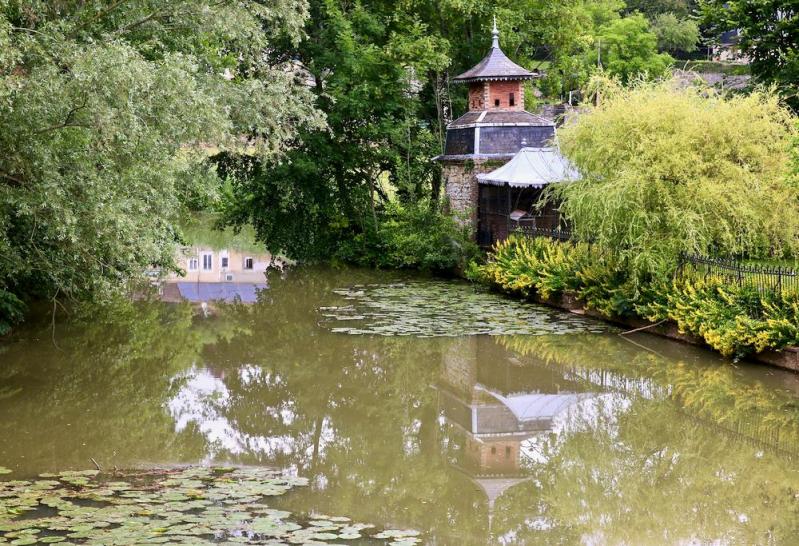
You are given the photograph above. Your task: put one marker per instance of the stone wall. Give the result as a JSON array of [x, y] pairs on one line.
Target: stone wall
[[461, 188]]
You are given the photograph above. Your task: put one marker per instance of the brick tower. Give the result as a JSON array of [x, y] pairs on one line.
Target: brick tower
[[492, 131]]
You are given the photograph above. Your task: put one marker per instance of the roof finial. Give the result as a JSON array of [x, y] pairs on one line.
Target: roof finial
[[495, 34]]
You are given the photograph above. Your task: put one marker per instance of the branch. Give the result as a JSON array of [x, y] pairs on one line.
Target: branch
[[18, 181], [68, 122], [97, 16]]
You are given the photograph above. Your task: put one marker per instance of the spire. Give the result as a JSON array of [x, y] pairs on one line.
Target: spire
[[495, 34]]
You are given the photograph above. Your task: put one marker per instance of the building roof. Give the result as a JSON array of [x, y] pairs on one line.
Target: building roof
[[495, 66], [500, 117], [532, 168]]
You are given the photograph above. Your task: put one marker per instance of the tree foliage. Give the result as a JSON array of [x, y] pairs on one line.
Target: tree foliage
[[675, 34], [627, 48], [105, 108], [667, 170], [769, 35], [381, 73]]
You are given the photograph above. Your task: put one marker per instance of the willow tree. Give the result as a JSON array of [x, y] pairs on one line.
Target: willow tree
[[669, 169], [105, 110]]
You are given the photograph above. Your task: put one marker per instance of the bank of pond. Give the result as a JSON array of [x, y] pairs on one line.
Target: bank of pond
[[712, 304], [413, 404]]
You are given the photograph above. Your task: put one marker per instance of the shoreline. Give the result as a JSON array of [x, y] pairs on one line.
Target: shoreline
[[786, 358]]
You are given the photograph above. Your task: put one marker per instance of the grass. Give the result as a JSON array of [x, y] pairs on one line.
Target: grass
[[199, 230]]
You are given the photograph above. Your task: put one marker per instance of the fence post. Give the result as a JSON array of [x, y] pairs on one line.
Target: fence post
[[740, 275], [779, 279]]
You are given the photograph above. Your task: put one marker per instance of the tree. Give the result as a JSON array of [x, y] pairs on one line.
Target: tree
[[769, 36], [627, 48], [668, 170], [675, 34], [105, 108]]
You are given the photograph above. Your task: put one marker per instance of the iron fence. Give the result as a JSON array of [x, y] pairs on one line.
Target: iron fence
[[554, 233], [762, 277]]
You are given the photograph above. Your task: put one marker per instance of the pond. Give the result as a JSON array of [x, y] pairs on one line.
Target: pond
[[416, 403]]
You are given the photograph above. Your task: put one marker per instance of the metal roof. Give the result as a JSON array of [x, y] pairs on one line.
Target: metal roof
[[532, 168], [495, 66]]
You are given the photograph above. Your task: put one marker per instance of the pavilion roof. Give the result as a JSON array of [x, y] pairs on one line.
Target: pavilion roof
[[495, 66], [532, 168]]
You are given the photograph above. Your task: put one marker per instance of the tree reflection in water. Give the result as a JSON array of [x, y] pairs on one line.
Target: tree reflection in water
[[474, 439]]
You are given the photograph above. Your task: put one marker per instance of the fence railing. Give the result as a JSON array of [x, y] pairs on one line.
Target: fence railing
[[557, 234], [763, 277]]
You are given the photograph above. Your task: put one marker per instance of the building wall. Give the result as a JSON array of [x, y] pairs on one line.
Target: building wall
[[462, 189], [217, 273], [477, 96], [500, 91]]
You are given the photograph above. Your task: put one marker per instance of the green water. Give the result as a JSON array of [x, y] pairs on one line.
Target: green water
[[418, 403]]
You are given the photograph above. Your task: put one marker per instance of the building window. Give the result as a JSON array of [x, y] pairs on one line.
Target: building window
[[208, 261], [493, 450], [507, 452], [512, 100], [496, 102], [194, 264], [248, 263], [225, 261]]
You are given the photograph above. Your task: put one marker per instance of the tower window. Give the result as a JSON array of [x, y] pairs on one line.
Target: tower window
[[512, 100], [496, 102]]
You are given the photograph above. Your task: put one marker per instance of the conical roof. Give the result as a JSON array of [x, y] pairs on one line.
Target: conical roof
[[495, 66]]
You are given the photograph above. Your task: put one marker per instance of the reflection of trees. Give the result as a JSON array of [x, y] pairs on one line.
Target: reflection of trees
[[659, 471], [358, 416], [359, 419], [656, 479], [720, 394], [100, 392]]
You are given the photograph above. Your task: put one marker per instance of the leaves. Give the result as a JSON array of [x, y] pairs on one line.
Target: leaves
[[189, 506], [665, 170], [442, 309]]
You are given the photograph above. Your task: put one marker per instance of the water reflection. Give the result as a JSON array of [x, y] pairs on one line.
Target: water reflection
[[517, 439]]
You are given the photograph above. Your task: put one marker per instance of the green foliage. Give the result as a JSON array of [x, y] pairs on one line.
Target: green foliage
[[105, 111], [203, 229], [11, 311], [415, 236], [675, 34], [769, 36], [627, 48], [528, 266], [733, 320], [653, 8], [668, 170], [540, 266]]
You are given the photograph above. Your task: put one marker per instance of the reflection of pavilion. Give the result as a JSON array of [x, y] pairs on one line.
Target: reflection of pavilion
[[498, 405]]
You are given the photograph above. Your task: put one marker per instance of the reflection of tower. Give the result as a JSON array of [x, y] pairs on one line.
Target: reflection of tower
[[497, 404]]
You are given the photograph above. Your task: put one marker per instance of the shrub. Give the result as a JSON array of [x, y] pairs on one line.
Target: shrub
[[413, 236], [12, 311], [733, 320], [666, 170]]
